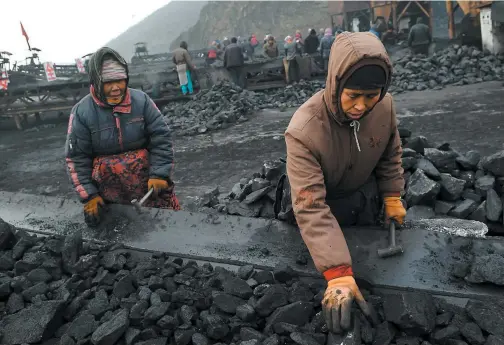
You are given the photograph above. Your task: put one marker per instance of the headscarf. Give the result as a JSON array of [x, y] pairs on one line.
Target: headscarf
[[95, 69], [328, 32], [288, 39]]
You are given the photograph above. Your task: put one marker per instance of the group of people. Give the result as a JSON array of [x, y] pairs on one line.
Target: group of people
[[343, 156], [419, 36]]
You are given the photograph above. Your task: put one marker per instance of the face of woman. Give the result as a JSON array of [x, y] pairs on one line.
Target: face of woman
[[114, 91], [355, 103]]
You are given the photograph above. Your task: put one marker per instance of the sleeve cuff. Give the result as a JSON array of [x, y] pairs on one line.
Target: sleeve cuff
[[396, 194], [338, 272]]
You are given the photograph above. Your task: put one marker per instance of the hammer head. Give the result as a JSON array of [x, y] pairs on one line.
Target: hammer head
[[390, 251], [137, 206]]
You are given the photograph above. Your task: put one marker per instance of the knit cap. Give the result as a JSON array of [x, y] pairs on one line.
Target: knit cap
[[112, 70]]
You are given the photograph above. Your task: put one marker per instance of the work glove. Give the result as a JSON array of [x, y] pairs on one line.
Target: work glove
[[394, 209], [160, 185], [93, 209], [337, 303]]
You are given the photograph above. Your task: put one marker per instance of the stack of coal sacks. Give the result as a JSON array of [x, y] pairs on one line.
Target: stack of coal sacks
[[440, 182], [63, 291], [455, 65], [226, 103]]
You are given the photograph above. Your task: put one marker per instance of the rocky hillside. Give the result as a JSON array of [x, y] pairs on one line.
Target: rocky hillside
[[160, 28], [241, 18]]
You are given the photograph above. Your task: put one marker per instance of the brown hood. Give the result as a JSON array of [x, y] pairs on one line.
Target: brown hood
[[349, 52]]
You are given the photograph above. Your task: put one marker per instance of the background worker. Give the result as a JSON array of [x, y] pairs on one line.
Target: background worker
[[118, 144], [185, 68], [419, 38], [343, 160]]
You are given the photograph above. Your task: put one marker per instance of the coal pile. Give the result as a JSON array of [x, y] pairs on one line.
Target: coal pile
[[56, 291], [440, 182], [455, 65], [226, 103]]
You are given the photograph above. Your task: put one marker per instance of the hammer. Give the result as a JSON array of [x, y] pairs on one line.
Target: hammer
[[138, 204], [393, 249]]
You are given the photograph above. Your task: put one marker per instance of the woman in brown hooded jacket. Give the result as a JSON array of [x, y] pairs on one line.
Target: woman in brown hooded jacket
[[341, 141]]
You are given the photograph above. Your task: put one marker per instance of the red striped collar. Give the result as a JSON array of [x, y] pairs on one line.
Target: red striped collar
[[123, 107]]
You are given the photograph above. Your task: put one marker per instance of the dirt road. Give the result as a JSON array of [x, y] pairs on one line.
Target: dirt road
[[468, 117]]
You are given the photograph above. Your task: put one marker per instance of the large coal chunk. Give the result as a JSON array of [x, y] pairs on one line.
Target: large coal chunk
[[110, 331], [484, 184], [487, 268], [469, 161], [237, 287], [493, 206], [275, 296], [421, 189], [463, 209], [385, 333], [494, 340], [451, 187], [473, 333], [7, 238], [419, 144], [428, 168], [226, 302], [216, 327], [71, 251], [488, 315], [494, 163], [297, 313], [412, 312], [34, 324], [444, 161], [82, 326]]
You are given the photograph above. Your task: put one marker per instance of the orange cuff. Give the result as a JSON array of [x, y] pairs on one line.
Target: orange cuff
[[337, 272]]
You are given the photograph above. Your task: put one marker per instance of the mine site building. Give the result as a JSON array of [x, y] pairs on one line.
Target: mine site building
[[472, 22]]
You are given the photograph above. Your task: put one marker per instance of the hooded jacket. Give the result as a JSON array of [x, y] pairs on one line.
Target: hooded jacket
[[419, 34], [96, 129], [270, 51], [330, 156]]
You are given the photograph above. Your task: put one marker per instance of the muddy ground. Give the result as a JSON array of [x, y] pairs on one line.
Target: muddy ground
[[468, 117]]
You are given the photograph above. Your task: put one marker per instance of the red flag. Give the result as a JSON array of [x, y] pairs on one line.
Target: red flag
[[23, 32]]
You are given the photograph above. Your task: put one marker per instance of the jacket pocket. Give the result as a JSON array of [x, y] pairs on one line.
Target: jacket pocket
[[104, 140], [134, 130]]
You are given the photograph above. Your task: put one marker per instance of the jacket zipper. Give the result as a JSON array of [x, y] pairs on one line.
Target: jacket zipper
[[349, 166], [119, 131]]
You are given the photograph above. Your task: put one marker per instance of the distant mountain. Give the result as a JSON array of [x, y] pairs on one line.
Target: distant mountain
[[159, 29], [242, 18]]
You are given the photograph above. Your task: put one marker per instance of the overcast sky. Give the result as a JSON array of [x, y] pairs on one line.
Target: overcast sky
[[67, 29]]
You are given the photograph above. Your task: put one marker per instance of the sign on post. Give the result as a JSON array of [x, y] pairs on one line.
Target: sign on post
[[80, 65], [49, 70]]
